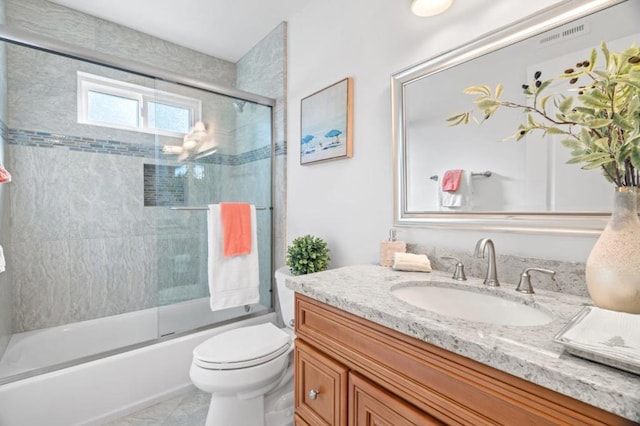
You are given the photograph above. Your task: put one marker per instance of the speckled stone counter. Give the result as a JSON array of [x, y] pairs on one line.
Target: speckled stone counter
[[526, 352]]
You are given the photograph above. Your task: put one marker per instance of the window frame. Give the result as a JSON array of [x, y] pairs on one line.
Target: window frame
[[143, 95]]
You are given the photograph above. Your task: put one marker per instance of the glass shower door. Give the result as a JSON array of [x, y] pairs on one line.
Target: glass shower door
[[228, 160]]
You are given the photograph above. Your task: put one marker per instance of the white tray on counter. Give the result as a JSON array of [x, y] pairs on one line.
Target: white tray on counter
[[607, 337]]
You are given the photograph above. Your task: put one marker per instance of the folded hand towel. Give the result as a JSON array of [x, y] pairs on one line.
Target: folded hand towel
[[411, 262], [233, 281], [451, 180], [236, 227]]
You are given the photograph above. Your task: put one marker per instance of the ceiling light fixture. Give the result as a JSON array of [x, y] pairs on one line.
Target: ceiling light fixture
[[429, 7]]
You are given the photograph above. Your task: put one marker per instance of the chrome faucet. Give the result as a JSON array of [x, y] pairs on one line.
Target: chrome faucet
[[524, 286], [492, 273]]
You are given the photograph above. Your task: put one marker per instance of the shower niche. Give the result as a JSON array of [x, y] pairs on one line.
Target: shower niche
[[164, 185]]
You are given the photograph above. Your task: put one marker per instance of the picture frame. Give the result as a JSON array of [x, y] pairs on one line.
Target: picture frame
[[326, 123]]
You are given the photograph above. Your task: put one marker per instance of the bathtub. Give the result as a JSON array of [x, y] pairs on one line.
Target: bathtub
[[108, 387]]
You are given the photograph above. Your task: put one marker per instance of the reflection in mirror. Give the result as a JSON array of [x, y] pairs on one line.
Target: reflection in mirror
[[529, 186]]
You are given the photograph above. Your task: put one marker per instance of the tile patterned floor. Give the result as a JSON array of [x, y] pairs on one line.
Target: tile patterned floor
[[189, 409]]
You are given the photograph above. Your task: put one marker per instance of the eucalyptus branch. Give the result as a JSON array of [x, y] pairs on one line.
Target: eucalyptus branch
[[538, 111]]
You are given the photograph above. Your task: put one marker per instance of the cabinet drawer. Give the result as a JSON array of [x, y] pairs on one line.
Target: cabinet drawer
[[321, 388], [369, 405]]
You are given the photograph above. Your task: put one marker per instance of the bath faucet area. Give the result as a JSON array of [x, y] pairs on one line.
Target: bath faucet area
[[524, 285], [484, 244], [458, 274]]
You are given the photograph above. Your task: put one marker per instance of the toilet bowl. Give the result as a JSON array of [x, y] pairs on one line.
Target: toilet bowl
[[249, 370]]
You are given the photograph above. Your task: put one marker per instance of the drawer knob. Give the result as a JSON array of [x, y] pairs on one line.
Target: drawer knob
[[313, 394]]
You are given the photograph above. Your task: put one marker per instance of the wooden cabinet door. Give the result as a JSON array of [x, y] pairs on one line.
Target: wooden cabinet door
[[370, 405], [298, 421], [320, 387]]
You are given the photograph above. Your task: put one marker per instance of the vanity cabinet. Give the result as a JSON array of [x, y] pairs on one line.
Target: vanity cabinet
[[351, 371]]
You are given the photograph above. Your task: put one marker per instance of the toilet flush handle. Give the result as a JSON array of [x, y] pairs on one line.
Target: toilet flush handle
[[313, 394]]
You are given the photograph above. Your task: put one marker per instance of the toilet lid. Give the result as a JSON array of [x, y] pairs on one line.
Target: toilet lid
[[242, 347]]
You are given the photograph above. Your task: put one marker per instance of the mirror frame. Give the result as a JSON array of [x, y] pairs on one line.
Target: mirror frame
[[574, 223]]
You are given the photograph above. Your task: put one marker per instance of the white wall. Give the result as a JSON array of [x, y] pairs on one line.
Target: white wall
[[349, 202]]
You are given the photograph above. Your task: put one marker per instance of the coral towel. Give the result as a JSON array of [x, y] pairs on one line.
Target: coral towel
[[451, 180], [236, 228], [5, 176], [233, 281]]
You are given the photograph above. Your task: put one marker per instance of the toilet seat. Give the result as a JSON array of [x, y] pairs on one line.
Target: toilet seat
[[242, 348]]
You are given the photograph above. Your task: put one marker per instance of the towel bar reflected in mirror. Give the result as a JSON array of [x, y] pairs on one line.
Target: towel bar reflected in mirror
[[207, 208], [473, 174]]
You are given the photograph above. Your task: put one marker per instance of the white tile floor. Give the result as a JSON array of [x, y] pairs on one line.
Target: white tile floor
[[189, 409]]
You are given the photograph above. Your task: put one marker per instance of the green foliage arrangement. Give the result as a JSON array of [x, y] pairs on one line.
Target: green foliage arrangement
[[600, 125], [307, 254]]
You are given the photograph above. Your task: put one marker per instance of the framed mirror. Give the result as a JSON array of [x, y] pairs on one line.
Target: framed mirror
[[523, 186]]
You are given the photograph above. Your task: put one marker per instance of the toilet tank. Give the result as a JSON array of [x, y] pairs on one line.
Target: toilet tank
[[285, 296]]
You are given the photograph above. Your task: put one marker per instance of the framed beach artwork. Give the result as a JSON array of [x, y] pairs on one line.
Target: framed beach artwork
[[326, 123]]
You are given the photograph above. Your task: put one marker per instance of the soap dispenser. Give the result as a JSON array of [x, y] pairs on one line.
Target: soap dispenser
[[390, 247]]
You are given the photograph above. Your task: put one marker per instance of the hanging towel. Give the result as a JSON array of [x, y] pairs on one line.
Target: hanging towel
[[451, 180], [236, 228], [233, 281], [5, 176], [2, 261], [462, 197]]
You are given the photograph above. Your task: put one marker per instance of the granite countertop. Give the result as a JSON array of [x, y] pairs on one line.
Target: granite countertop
[[526, 352]]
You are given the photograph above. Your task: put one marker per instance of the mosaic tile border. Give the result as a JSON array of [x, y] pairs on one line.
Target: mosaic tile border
[[37, 139]]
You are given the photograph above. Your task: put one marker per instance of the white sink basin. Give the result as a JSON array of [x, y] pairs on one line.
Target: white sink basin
[[471, 306]]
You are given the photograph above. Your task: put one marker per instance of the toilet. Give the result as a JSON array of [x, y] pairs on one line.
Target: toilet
[[249, 370]]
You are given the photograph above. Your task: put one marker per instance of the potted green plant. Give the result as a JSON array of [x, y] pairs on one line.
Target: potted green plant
[[307, 254], [600, 124]]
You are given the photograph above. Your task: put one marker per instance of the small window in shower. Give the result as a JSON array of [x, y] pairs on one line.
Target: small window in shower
[[163, 186], [169, 117], [112, 103], [111, 109]]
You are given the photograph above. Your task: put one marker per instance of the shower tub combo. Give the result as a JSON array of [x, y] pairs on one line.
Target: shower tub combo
[[108, 387], [110, 286]]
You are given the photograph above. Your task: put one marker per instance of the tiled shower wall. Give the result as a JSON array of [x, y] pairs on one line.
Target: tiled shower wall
[[85, 246], [263, 70], [5, 281], [52, 20], [123, 254]]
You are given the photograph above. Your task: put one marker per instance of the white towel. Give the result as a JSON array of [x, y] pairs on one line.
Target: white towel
[[233, 281], [460, 198], [2, 262], [411, 262]]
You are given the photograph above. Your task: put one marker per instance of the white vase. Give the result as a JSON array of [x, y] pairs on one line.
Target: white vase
[[613, 266]]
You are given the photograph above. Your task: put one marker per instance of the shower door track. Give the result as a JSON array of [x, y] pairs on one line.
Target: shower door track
[[47, 44]]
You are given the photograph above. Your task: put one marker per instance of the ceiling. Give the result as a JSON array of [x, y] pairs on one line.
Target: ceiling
[[226, 29]]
